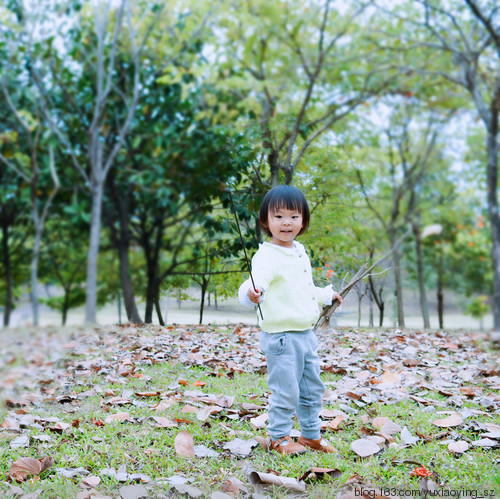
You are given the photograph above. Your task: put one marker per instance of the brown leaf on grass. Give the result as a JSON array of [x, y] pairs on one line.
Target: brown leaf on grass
[[241, 447], [165, 422], [471, 391], [455, 419], [26, 466], [119, 416], [190, 490], [485, 442], [264, 442], [379, 422], [272, 479], [331, 413], [183, 382], [118, 401], [321, 472], [204, 413], [390, 428], [225, 401], [458, 447], [334, 423], [91, 481], [259, 422], [184, 444], [364, 447], [147, 394], [390, 377]]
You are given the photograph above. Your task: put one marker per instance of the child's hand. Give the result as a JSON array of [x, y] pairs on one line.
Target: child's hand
[[336, 296], [254, 295]]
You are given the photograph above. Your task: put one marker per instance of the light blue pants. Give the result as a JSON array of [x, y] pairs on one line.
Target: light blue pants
[[294, 380]]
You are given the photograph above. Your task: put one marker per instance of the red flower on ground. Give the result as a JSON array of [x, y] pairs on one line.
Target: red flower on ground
[[423, 472]]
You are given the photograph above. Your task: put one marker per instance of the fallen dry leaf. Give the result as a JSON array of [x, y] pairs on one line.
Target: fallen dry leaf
[[364, 447], [259, 422], [165, 422], [26, 466], [119, 416], [455, 419], [184, 444], [241, 447], [458, 447], [91, 481], [321, 472], [270, 478]]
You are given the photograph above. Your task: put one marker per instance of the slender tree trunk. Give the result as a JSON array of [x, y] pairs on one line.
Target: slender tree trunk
[[204, 286], [34, 269], [150, 295], [215, 300], [398, 279], [9, 294], [65, 305], [359, 310], [492, 181], [119, 303], [370, 315], [424, 306], [126, 281], [158, 310], [378, 298], [121, 240], [93, 253], [440, 294]]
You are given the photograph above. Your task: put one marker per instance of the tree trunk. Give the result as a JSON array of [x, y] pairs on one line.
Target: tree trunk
[[440, 295], [119, 303], [381, 314], [378, 298], [121, 240], [397, 278], [370, 315], [204, 286], [158, 310], [93, 254], [359, 310], [492, 181], [424, 306], [215, 300], [126, 281], [65, 306], [34, 268], [150, 295], [9, 294]]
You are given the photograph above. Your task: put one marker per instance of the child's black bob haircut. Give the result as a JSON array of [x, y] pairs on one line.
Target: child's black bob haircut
[[287, 197]]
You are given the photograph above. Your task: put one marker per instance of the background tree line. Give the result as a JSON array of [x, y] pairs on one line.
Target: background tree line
[[123, 128]]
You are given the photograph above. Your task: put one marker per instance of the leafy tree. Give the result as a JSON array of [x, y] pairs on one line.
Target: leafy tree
[[299, 68], [460, 43]]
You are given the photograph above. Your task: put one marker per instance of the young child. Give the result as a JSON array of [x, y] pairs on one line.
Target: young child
[[290, 304]]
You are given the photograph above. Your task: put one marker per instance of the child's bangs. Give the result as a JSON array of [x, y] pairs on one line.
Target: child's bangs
[[287, 201]]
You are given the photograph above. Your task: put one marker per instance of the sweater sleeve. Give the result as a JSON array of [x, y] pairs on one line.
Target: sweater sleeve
[[262, 271], [325, 295]]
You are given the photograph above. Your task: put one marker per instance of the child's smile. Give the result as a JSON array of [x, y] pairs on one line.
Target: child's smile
[[284, 225]]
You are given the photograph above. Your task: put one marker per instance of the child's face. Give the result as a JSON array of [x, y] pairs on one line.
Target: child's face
[[284, 225]]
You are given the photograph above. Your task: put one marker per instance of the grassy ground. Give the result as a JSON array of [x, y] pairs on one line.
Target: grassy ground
[[59, 386]]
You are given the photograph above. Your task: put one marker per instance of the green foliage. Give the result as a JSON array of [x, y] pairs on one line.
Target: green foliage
[[478, 307]]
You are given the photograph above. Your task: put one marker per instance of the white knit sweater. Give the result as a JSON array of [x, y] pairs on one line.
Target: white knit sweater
[[292, 301]]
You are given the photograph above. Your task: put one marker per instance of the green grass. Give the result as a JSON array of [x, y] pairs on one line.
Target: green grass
[[150, 450]]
